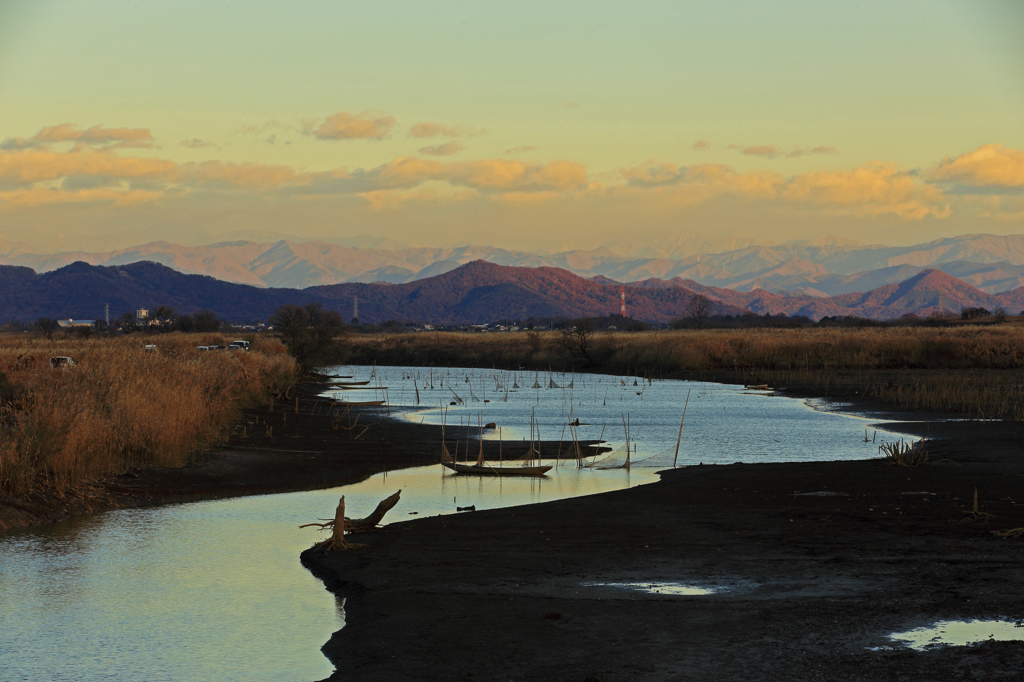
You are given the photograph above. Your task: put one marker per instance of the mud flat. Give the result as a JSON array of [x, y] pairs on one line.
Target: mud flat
[[807, 569]]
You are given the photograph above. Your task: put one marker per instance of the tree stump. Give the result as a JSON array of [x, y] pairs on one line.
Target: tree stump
[[338, 525]]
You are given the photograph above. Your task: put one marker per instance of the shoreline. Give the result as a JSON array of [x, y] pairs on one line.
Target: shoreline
[[829, 558], [270, 450], [253, 463]]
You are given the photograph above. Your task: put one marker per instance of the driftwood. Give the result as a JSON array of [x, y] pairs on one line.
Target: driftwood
[[340, 524]]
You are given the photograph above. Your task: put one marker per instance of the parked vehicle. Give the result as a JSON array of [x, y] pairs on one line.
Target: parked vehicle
[[150, 348], [202, 348], [61, 362], [243, 345]]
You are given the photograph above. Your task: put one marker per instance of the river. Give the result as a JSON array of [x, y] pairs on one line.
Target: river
[[214, 590]]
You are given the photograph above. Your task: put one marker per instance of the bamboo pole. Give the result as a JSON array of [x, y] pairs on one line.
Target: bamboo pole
[[680, 438]]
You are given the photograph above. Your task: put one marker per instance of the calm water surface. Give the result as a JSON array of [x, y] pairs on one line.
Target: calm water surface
[[214, 590]]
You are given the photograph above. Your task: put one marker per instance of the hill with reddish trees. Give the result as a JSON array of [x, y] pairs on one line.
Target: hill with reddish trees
[[476, 292], [482, 292]]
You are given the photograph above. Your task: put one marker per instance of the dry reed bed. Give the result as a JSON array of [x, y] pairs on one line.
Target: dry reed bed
[[977, 371], [120, 406]]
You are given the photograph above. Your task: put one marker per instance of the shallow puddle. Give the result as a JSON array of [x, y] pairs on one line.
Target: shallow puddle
[[672, 589], [960, 633]]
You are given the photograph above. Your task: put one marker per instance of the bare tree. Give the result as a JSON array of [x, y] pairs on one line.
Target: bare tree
[[577, 336], [309, 332], [698, 309]]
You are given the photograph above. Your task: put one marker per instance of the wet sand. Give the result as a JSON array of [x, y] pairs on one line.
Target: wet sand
[[809, 583]]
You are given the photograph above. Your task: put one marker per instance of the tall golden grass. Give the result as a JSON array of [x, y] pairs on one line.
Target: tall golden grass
[[121, 406], [974, 370]]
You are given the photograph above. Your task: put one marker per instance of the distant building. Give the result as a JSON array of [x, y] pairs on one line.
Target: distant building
[[141, 314]]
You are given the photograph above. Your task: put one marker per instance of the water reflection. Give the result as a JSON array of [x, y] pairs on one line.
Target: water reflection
[[666, 588], [724, 424], [961, 633], [214, 590]]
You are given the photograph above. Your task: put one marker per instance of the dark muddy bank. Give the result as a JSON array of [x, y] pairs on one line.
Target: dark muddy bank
[[810, 583]]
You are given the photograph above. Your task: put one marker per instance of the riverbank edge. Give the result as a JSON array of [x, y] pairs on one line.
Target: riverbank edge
[[314, 456], [348, 648], [148, 486], [142, 487]]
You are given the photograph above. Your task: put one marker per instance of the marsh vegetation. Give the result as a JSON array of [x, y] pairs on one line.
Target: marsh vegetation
[[121, 406]]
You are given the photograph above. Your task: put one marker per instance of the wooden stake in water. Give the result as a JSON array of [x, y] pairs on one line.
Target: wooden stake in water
[[680, 438]]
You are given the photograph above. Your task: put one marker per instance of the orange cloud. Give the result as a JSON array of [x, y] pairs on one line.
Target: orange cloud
[[772, 152], [989, 165], [42, 196], [653, 176], [528, 198], [873, 189], [394, 199], [70, 132], [447, 149], [425, 129], [367, 125], [234, 175], [715, 178], [28, 166], [500, 174]]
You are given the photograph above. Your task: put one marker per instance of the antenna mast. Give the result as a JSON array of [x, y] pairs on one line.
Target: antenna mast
[[622, 309]]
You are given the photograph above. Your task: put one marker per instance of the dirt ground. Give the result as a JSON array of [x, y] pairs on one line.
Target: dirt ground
[[814, 565]]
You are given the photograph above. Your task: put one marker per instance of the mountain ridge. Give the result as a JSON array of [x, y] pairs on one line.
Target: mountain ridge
[[476, 292], [826, 266]]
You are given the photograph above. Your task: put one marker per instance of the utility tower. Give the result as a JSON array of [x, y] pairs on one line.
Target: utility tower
[[106, 313], [355, 310], [622, 308]]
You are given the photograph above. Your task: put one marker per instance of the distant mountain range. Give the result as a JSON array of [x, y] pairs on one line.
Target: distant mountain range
[[827, 266], [476, 292]]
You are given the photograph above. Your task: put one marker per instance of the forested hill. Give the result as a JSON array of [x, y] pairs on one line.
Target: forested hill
[[80, 291], [476, 292]]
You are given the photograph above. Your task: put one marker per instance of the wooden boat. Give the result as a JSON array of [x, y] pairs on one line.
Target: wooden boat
[[361, 403], [759, 387], [486, 470], [481, 468], [350, 383]]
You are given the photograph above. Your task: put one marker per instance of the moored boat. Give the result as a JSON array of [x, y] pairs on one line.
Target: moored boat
[[486, 470]]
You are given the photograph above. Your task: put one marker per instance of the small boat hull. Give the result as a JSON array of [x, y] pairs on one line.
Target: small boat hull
[[485, 470], [364, 403]]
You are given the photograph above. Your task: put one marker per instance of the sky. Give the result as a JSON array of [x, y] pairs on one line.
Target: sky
[[532, 126]]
